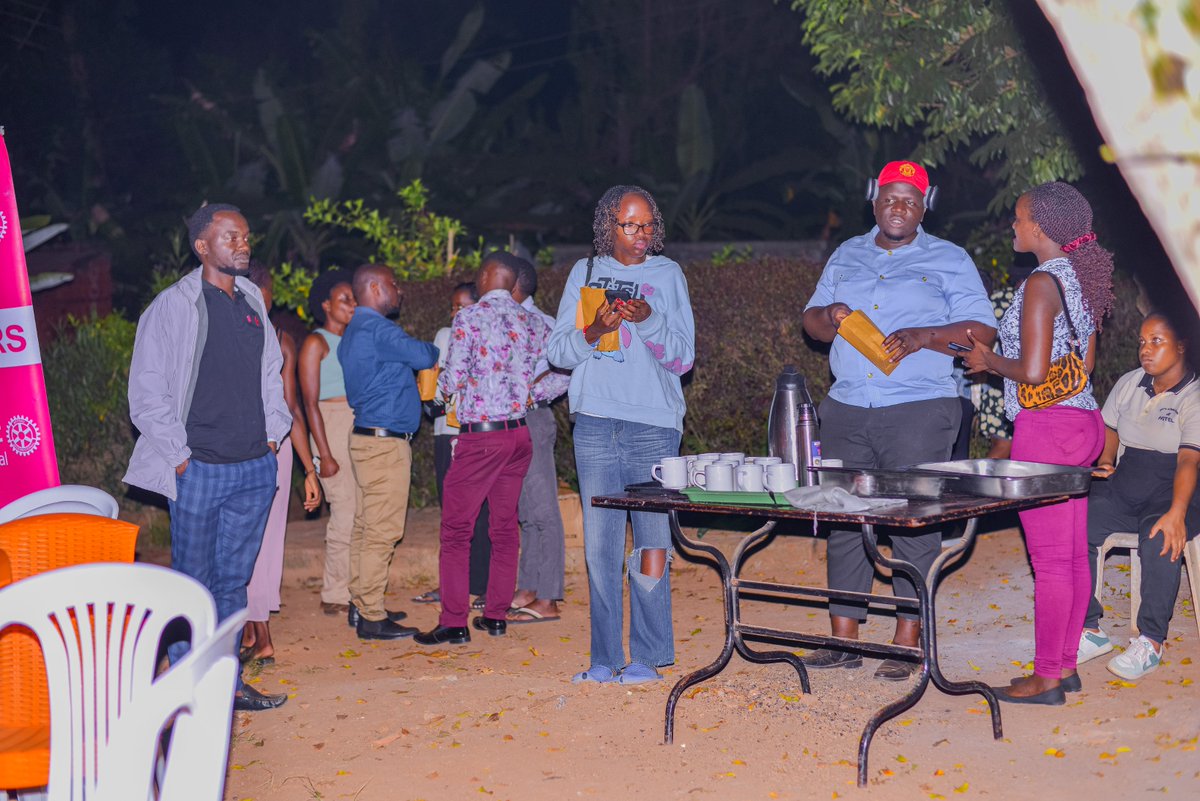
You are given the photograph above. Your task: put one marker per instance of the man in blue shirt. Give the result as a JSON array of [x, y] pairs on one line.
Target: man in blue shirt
[[923, 293], [378, 359]]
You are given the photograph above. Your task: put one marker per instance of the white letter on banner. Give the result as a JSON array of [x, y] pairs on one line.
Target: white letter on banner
[[18, 338]]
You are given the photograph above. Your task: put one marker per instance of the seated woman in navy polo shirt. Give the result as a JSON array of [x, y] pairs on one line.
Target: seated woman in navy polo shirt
[[1153, 416]]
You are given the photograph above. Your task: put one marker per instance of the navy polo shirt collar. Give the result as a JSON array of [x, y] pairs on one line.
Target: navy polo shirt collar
[[1147, 383]]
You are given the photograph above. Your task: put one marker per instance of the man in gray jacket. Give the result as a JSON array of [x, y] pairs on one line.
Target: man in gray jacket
[[206, 395]]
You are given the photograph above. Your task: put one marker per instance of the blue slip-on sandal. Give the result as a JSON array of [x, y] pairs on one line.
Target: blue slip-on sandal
[[637, 673], [599, 674]]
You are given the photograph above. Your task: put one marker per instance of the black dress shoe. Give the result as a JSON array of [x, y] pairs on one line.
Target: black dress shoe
[[251, 700], [896, 670], [457, 635], [1052, 697], [1069, 684], [826, 658], [383, 630], [496, 628], [352, 616]]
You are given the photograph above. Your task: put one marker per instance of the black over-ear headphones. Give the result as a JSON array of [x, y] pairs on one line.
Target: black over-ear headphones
[[931, 194]]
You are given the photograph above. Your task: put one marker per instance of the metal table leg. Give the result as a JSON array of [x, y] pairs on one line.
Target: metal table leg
[[729, 596], [935, 669]]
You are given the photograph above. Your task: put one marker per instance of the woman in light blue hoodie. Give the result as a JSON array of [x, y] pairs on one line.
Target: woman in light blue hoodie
[[628, 405]]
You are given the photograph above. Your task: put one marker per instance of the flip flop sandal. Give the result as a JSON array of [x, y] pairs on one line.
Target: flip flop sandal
[[637, 673], [479, 603], [431, 597], [524, 615], [596, 673]]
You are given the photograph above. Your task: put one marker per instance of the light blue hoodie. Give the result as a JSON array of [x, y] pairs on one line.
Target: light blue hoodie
[[640, 382]]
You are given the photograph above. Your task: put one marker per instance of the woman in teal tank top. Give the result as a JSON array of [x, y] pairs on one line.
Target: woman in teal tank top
[[331, 303]]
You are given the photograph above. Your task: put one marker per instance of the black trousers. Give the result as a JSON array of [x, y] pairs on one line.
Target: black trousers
[[481, 543], [884, 437], [1133, 499]]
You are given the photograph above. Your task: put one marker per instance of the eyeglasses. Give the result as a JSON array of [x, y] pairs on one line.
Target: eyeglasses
[[630, 228]]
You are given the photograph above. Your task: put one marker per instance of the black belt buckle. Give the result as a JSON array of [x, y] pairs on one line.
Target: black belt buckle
[[492, 425]]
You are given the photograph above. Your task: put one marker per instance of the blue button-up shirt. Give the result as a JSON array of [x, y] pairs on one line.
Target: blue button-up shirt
[[378, 360], [929, 282]]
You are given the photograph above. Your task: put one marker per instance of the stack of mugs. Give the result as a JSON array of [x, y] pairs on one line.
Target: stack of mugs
[[725, 472]]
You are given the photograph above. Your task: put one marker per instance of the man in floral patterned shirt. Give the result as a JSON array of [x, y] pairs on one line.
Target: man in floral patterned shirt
[[493, 353]]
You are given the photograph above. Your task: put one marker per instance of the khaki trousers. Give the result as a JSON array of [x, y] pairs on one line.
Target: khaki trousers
[[341, 491], [382, 471]]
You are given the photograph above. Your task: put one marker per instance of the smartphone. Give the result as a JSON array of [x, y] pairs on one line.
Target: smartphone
[[954, 346], [612, 295]]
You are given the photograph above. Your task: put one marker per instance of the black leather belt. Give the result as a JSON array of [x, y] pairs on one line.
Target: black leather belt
[[491, 425], [367, 431]]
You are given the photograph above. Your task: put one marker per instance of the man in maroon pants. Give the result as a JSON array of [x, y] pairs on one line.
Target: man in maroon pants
[[494, 347]]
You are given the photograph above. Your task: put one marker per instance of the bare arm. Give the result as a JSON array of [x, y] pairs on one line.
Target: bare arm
[[315, 349], [1037, 337], [299, 433], [1106, 464], [822, 322], [904, 341]]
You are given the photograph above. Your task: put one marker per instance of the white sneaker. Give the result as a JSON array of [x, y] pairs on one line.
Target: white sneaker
[[1139, 659], [1092, 644]]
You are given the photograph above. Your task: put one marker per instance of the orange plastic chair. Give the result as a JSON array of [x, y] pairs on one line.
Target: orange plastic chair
[[35, 545]]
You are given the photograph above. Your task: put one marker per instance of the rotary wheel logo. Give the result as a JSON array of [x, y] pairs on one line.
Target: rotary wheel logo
[[3, 225], [23, 435]]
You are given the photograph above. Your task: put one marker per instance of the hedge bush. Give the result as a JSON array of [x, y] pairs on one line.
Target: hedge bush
[[747, 328], [87, 381]]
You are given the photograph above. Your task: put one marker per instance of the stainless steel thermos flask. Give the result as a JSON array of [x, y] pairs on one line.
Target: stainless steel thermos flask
[[792, 425]]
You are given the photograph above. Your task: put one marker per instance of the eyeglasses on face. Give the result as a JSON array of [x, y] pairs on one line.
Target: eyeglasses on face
[[631, 228]]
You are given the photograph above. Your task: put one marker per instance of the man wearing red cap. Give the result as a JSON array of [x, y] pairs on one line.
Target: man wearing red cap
[[923, 293]]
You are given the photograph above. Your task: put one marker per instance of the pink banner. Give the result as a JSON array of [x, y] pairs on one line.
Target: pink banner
[[27, 459]]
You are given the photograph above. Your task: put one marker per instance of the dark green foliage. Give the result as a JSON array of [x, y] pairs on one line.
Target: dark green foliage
[[956, 72], [87, 379]]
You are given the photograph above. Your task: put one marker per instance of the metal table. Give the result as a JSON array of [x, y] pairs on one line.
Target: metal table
[[916, 514]]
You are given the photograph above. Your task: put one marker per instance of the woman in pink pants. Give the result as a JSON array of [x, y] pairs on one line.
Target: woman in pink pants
[[1071, 286]]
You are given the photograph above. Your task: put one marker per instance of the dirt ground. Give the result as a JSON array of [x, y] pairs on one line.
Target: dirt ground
[[499, 718]]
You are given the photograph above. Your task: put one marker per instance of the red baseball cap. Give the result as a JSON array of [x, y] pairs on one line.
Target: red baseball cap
[[906, 172]]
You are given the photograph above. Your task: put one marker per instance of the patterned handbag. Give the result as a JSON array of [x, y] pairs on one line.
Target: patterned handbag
[[1068, 374]]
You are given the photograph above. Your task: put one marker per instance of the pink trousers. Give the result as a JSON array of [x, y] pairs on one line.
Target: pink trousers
[[1056, 535], [262, 595]]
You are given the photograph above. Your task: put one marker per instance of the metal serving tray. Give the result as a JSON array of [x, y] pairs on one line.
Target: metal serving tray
[[872, 483], [1003, 478]]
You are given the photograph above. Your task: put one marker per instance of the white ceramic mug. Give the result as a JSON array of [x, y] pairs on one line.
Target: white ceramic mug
[[672, 472], [717, 477], [732, 456], [765, 460], [696, 468], [780, 477], [750, 477]]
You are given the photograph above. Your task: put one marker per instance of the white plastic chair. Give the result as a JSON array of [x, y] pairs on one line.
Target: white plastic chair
[[63, 498], [100, 627]]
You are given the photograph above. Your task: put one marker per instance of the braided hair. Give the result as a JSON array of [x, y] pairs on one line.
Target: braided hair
[[605, 222], [1065, 216]]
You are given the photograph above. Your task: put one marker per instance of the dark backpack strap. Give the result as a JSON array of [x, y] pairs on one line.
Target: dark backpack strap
[[591, 261]]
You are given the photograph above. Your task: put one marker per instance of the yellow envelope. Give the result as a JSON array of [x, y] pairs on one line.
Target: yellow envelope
[[590, 301], [867, 339], [427, 383]]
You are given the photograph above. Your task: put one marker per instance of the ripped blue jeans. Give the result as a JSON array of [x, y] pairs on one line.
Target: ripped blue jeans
[[609, 454]]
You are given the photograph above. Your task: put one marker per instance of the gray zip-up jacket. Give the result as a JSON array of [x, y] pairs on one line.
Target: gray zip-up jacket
[[162, 377]]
